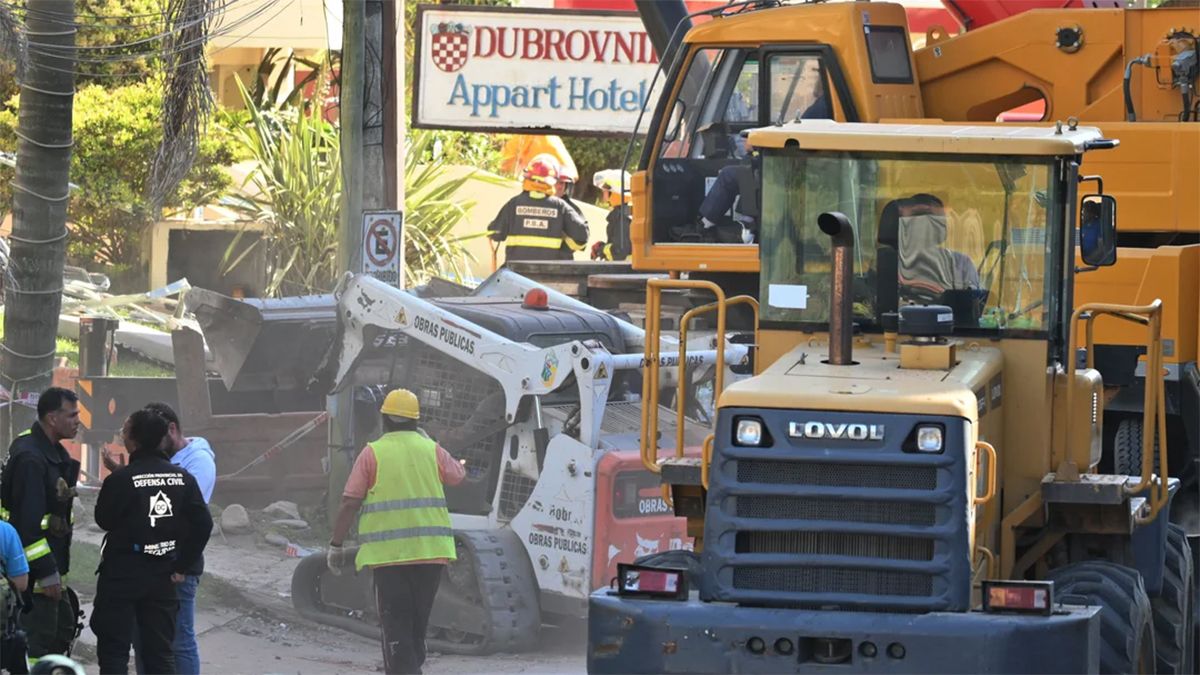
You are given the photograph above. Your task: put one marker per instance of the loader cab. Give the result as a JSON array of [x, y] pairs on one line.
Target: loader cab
[[696, 196], [983, 229]]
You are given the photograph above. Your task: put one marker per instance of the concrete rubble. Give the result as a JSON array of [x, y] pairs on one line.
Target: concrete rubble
[[234, 519]]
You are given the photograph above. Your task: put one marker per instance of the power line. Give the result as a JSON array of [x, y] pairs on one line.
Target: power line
[[220, 30], [225, 32]]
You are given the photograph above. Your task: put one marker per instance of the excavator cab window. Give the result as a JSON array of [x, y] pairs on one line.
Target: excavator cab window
[[888, 51], [724, 93]]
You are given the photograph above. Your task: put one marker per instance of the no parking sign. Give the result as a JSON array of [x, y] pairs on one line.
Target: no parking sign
[[383, 245]]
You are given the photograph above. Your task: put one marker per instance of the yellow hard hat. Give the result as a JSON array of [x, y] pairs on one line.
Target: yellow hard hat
[[401, 403]]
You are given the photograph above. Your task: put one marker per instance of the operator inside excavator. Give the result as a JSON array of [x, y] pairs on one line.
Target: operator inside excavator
[[708, 153]]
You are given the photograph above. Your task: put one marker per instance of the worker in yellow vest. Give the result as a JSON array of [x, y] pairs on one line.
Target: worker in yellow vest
[[404, 531]]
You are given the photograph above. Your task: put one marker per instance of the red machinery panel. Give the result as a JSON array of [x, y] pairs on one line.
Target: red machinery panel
[[974, 14]]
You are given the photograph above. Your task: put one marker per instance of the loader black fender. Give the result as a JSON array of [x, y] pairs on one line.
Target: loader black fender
[[1174, 608], [488, 600], [1126, 628]]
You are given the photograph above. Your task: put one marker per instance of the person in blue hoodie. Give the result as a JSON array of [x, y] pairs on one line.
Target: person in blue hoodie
[[194, 455]]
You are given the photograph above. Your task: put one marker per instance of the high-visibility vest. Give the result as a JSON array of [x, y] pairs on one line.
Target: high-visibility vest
[[404, 516]]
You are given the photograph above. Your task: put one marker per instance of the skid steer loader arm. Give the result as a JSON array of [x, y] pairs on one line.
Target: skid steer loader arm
[[370, 312]]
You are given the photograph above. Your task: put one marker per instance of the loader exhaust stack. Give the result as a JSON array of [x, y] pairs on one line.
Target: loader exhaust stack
[[841, 311]]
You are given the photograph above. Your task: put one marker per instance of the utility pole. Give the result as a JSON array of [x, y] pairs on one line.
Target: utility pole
[[372, 152], [33, 292]]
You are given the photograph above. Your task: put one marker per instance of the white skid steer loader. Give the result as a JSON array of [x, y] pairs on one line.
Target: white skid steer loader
[[539, 396]]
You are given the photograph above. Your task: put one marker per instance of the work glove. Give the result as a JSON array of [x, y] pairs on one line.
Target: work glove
[[598, 251], [335, 557]]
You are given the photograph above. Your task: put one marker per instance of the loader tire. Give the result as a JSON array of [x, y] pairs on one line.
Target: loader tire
[[1126, 628], [1174, 615], [1127, 448], [494, 577]]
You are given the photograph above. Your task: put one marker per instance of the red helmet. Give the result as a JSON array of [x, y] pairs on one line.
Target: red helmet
[[541, 175]]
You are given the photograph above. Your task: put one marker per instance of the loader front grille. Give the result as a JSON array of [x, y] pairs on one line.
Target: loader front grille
[[838, 475], [836, 543], [848, 510], [837, 523], [833, 580]]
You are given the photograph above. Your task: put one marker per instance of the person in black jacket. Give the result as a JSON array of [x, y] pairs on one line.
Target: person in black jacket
[[614, 188], [37, 491], [536, 224], [157, 525]]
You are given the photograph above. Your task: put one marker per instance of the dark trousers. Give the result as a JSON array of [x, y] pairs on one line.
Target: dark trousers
[[404, 595], [152, 603], [49, 625]]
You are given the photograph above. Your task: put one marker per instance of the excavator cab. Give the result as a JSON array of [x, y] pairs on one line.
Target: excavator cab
[[696, 198]]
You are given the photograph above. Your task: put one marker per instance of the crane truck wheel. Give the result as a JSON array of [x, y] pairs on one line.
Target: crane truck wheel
[[1127, 448], [1174, 616], [1126, 628], [488, 599]]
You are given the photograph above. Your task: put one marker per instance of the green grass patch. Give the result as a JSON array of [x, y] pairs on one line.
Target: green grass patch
[[127, 364]]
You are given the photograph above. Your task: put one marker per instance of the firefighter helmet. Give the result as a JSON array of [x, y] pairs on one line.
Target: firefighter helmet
[[615, 183], [541, 175]]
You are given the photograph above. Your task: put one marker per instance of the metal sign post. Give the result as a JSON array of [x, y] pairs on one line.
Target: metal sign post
[[383, 246]]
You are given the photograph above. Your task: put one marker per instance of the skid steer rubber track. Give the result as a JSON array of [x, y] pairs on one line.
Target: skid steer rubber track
[[488, 599]]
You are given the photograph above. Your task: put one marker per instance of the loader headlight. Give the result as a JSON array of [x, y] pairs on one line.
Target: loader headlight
[[749, 432], [929, 438]]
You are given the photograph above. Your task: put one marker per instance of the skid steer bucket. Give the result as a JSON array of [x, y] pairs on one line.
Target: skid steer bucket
[[265, 344]]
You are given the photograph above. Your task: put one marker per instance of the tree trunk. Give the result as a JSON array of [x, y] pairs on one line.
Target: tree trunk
[[33, 293]]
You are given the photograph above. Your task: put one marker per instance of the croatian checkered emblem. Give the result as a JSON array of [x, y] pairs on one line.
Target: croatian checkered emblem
[[451, 44]]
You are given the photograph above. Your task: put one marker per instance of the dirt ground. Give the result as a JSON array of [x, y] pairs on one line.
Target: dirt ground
[[245, 622]]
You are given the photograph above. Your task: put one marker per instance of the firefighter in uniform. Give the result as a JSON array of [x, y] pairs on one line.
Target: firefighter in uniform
[[156, 524], [614, 187], [537, 225], [37, 492], [404, 530]]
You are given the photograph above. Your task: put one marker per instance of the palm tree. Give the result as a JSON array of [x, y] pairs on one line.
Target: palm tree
[[39, 236]]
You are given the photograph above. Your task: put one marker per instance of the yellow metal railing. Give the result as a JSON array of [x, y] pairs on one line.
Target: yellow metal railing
[[984, 524], [653, 351], [653, 358], [993, 467], [719, 382], [1154, 412], [706, 459]]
